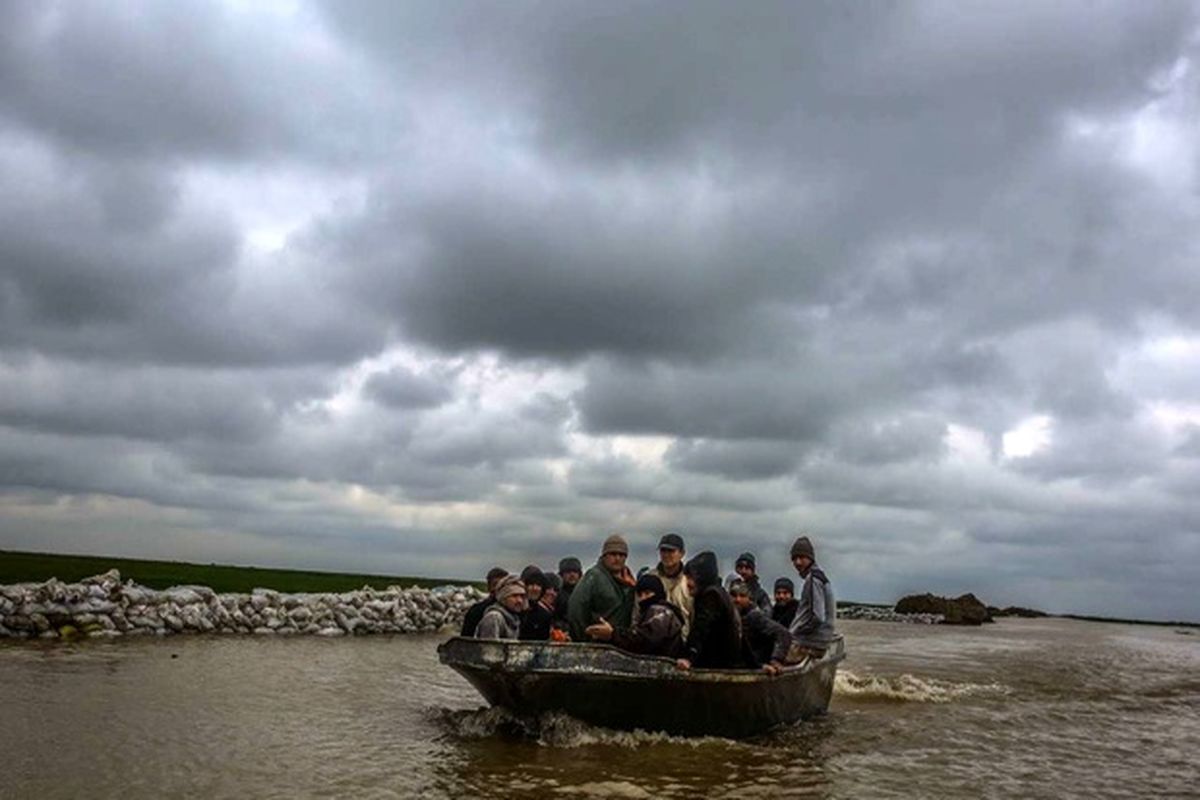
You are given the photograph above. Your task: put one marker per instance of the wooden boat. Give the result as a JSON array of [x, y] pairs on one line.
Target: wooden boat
[[604, 686]]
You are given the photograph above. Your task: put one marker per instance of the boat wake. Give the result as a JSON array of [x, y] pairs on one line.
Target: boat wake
[[554, 730], [907, 688]]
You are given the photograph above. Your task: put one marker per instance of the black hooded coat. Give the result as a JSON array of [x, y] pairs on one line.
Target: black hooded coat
[[715, 638]]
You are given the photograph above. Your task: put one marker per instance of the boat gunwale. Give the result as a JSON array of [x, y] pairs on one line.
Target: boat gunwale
[[698, 674]]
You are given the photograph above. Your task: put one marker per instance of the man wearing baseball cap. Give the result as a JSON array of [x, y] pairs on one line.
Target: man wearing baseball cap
[[604, 593], [670, 571]]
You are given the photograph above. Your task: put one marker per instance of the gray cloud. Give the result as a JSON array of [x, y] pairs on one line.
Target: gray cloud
[[403, 388], [735, 274]]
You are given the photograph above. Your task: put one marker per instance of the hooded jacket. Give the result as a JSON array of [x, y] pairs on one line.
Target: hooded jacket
[[677, 595], [658, 631], [758, 595], [600, 594], [715, 638], [816, 613]]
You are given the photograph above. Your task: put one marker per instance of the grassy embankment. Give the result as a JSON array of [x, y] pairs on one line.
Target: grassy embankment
[[18, 567]]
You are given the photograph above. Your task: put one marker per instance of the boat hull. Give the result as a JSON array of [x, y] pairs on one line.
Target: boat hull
[[604, 686]]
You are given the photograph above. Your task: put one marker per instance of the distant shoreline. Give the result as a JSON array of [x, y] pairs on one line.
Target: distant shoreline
[[18, 566]]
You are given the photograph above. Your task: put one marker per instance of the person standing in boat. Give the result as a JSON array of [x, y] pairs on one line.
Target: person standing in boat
[[715, 638], [658, 630], [784, 610], [670, 571], [502, 620], [765, 643], [570, 570], [816, 612], [475, 612], [605, 591]]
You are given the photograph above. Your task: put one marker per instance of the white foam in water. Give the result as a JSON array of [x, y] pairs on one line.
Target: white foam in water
[[560, 730], [907, 688]]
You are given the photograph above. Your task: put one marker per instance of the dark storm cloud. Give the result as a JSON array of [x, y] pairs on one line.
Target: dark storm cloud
[[843, 171], [110, 261], [642, 81]]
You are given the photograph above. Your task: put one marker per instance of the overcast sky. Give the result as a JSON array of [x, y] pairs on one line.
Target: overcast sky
[[418, 288]]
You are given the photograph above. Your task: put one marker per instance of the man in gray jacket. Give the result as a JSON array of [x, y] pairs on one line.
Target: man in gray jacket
[[812, 627], [502, 620]]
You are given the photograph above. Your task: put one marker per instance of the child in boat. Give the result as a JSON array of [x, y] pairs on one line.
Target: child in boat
[[659, 627], [784, 610], [746, 570]]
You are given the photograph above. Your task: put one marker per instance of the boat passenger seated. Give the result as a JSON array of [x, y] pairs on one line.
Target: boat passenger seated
[[659, 627], [816, 613], [570, 571], [502, 620], [745, 569], [475, 612], [765, 643], [539, 616], [715, 638], [784, 610], [606, 591]]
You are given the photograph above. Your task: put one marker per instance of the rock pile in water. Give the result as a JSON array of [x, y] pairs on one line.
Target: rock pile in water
[[104, 606], [965, 609], [875, 614]]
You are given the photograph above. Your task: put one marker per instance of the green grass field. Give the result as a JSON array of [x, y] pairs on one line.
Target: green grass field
[[18, 567]]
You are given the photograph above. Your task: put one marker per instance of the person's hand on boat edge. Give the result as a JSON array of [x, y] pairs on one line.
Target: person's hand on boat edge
[[772, 667], [683, 664], [601, 631]]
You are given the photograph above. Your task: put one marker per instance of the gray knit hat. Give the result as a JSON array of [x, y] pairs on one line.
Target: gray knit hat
[[803, 547], [739, 587], [615, 544], [509, 586]]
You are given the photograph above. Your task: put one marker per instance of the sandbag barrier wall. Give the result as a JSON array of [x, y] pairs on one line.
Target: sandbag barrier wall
[[887, 615], [104, 607]]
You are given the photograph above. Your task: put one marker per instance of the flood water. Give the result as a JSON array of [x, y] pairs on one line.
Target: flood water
[[1023, 708]]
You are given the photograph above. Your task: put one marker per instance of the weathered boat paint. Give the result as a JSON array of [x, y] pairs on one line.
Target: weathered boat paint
[[604, 686]]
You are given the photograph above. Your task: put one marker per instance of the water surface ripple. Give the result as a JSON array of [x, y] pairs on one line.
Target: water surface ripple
[[1030, 708]]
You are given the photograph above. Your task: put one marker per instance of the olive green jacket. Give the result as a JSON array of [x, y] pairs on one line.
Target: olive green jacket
[[599, 594]]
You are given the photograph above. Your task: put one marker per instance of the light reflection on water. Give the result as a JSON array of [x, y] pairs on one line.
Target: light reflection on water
[[1025, 707]]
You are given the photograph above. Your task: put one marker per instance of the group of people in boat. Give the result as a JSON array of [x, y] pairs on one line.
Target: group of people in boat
[[678, 609]]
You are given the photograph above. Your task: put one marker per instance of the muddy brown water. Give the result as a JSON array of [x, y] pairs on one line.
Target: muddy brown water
[[1024, 708]]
